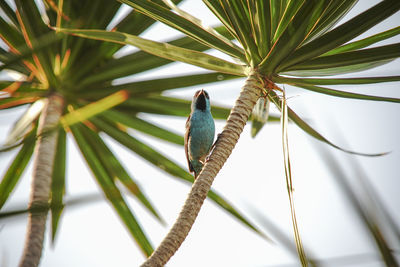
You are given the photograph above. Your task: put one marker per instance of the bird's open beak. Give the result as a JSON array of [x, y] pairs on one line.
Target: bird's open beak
[[202, 92]]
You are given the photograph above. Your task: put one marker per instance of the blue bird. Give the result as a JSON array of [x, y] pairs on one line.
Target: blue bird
[[200, 131]]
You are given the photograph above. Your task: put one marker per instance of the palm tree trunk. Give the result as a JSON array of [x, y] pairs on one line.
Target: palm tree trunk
[[226, 141], [41, 180]]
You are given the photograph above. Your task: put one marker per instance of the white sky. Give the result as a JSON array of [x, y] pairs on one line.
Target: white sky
[[252, 178]]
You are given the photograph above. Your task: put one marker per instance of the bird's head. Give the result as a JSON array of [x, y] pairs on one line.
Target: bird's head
[[201, 100]]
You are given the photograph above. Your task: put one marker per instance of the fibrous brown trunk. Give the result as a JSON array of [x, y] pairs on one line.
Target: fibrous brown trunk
[[227, 140], [45, 150]]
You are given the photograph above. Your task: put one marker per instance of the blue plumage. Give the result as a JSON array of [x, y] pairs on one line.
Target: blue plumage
[[200, 131]]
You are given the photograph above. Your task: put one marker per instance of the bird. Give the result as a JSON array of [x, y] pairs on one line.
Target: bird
[[200, 132]]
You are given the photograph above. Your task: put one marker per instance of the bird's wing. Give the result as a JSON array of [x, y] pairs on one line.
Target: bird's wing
[[187, 136]]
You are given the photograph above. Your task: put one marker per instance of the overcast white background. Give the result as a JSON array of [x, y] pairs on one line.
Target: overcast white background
[[252, 179]]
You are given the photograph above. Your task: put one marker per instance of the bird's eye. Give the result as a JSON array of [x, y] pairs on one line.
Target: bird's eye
[[197, 93], [206, 95]]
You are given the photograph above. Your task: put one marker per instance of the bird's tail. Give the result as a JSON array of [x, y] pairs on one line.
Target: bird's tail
[[197, 167]]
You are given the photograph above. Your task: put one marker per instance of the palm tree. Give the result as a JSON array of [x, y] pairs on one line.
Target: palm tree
[[280, 42], [65, 85]]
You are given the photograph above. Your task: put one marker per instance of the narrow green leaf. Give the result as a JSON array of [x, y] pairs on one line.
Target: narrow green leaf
[[110, 190], [369, 55], [167, 165], [365, 42], [14, 90], [364, 212], [186, 26], [158, 85], [337, 70], [58, 183], [10, 102], [121, 67], [24, 51], [103, 16], [87, 54], [199, 23], [9, 12], [295, 33], [335, 81], [224, 204], [219, 12], [99, 52], [115, 170], [15, 170], [93, 109], [238, 16], [10, 34], [159, 105], [281, 236], [15, 64], [289, 12], [308, 129], [73, 202], [276, 8], [343, 33], [31, 139], [334, 13], [289, 182], [34, 28], [139, 148], [337, 93], [162, 50], [261, 21], [168, 106], [134, 23], [143, 126]]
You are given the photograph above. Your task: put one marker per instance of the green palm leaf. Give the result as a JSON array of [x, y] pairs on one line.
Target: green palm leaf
[[182, 24], [260, 20], [333, 14], [333, 81], [299, 27], [116, 171], [364, 56], [337, 93], [143, 126], [311, 131], [83, 138], [157, 85], [344, 32], [164, 50], [14, 172], [365, 42], [336, 70], [58, 182], [121, 67]]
